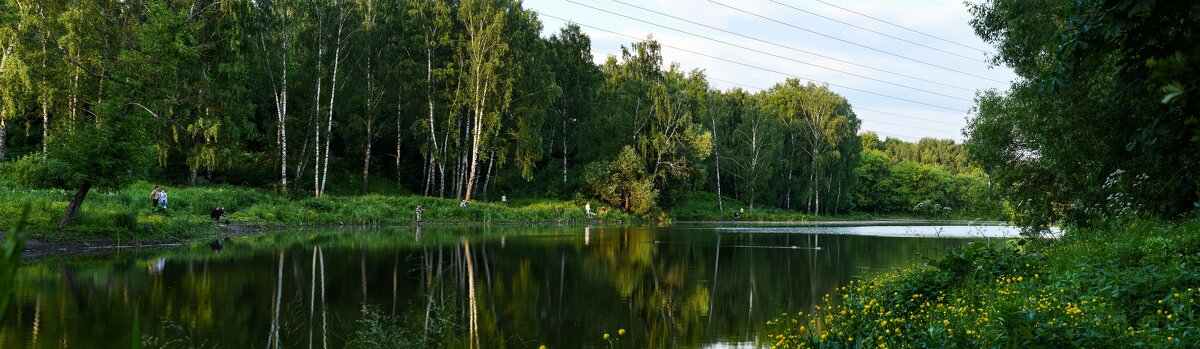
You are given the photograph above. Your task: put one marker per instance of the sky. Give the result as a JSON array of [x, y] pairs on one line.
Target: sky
[[910, 68]]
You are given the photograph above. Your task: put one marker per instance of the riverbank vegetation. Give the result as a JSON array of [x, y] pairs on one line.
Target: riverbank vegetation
[[127, 215], [1099, 137], [1121, 284], [461, 100]]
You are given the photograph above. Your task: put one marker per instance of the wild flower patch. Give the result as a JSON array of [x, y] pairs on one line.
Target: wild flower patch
[[1117, 286]]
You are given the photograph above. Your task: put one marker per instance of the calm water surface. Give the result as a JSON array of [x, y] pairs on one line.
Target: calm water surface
[[487, 287]]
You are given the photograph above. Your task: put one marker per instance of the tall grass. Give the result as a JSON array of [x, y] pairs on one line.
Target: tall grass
[[1125, 284]]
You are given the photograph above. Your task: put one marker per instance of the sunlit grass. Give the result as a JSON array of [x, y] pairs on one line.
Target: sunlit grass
[[1124, 285], [127, 215], [703, 206]]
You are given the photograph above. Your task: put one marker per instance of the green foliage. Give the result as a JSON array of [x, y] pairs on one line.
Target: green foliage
[[1103, 91], [172, 335], [888, 185], [112, 151], [1126, 283], [702, 206], [126, 215], [463, 100], [27, 172], [377, 330], [623, 183]]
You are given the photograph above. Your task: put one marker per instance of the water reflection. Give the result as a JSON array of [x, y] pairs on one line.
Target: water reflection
[[459, 287]]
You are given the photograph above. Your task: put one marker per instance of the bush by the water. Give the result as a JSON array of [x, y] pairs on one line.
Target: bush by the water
[[1131, 284]]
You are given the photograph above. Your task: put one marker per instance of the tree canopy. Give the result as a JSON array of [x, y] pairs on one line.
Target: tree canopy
[[462, 99], [1099, 125]]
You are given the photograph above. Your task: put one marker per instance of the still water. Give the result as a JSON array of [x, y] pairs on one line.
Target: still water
[[459, 287]]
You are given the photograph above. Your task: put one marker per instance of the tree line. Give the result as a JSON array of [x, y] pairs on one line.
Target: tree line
[[458, 99]]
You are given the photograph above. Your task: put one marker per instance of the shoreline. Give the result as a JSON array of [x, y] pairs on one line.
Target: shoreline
[[37, 249], [844, 222]]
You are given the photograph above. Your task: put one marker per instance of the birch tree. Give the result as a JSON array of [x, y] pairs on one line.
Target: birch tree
[[433, 18], [819, 108], [485, 48], [14, 77], [275, 40], [757, 146], [340, 50], [571, 61]]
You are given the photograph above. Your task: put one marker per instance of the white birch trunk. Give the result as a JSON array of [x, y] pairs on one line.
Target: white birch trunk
[[3, 112], [281, 110], [279, 94], [371, 105], [74, 94], [477, 133], [433, 154], [717, 158], [45, 108], [317, 113], [399, 138], [337, 55], [3, 133], [564, 154], [367, 159]]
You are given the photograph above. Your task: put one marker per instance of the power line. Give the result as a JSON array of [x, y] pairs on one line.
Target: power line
[[758, 67], [771, 54], [904, 116], [857, 44], [901, 27], [709, 77], [855, 107], [794, 49], [876, 32], [861, 117], [902, 125], [913, 139]]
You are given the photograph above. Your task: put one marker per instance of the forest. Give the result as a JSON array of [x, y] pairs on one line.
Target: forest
[[467, 99]]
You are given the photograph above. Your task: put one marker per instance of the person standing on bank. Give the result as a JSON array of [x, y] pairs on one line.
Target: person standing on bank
[[154, 197], [419, 210], [162, 199]]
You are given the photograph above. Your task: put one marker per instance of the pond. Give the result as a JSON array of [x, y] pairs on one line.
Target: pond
[[701, 286]]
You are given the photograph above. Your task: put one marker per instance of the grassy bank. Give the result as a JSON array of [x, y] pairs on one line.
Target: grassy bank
[[1128, 284], [703, 206], [126, 215]]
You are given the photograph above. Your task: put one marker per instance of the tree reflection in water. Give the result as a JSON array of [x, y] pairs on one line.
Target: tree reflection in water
[[455, 287]]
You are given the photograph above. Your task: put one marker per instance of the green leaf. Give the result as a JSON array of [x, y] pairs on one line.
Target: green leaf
[[1172, 91]]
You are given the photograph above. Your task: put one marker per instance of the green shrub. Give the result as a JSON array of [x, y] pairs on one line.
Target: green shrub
[[25, 172], [623, 183]]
